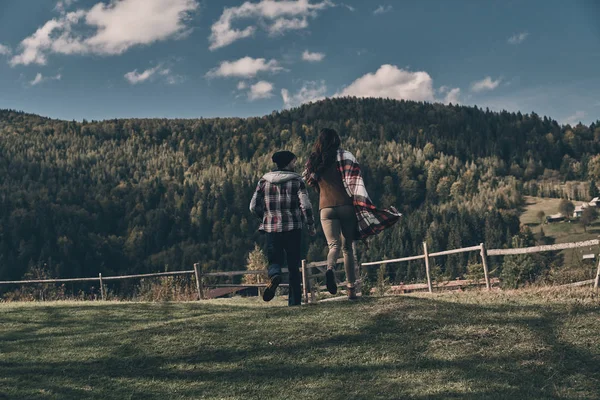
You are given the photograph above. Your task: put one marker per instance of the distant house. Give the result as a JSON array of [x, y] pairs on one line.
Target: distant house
[[555, 218], [595, 202], [579, 210]]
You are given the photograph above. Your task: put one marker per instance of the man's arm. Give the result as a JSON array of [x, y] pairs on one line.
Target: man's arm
[[310, 179], [306, 207], [257, 204]]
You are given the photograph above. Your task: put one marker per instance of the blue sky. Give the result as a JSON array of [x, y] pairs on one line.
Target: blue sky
[[92, 59]]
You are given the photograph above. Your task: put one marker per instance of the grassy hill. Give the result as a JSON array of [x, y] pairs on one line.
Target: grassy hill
[[573, 267], [562, 232], [534, 344]]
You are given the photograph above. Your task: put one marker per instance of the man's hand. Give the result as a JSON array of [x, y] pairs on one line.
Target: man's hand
[[311, 230]]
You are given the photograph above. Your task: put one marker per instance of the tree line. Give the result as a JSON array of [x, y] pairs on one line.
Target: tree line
[[145, 195]]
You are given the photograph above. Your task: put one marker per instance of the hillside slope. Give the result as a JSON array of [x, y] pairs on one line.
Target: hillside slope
[[140, 195]]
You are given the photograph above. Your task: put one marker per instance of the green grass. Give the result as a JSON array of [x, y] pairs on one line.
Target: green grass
[[530, 344], [535, 204]]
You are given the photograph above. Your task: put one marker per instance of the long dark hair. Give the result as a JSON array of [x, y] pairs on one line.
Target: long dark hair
[[324, 152]]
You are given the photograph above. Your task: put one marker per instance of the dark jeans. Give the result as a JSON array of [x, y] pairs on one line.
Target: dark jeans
[[282, 246]]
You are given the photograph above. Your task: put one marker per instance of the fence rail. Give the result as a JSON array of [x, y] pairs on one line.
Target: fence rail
[[104, 278], [539, 249], [412, 258], [49, 281], [581, 283], [455, 251], [307, 276], [156, 274]]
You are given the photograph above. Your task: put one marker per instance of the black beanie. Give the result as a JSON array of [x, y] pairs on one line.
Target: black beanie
[[283, 158]]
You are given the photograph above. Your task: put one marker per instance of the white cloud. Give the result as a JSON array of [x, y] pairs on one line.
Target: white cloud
[[34, 47], [281, 25], [392, 82], [382, 10], [485, 84], [312, 57], [4, 50], [134, 77], [575, 118], [132, 22], [39, 78], [518, 38], [389, 81], [348, 7], [260, 90], [310, 91], [452, 96], [242, 85], [246, 67], [276, 16], [113, 29]]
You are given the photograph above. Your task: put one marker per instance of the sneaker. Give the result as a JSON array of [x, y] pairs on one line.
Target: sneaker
[[330, 281], [351, 293], [269, 292]]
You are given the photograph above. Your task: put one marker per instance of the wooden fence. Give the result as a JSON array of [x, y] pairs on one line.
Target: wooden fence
[[308, 276]]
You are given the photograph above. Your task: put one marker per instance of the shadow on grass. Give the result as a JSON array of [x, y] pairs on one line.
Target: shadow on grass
[[405, 347]]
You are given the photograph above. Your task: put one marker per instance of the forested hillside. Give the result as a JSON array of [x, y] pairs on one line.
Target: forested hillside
[[141, 195]]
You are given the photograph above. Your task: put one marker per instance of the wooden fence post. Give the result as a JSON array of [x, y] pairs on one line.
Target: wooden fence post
[[597, 280], [198, 281], [357, 270], [485, 267], [427, 267], [313, 287], [101, 287], [305, 282]]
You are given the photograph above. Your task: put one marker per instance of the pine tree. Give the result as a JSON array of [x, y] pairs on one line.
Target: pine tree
[[593, 190]]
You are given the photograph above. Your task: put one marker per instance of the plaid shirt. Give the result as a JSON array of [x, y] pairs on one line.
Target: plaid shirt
[[371, 220], [281, 202]]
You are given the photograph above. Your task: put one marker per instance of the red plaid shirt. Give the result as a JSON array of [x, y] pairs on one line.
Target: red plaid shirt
[[281, 202]]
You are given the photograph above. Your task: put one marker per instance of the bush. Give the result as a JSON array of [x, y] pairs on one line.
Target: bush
[[38, 291], [366, 285], [475, 271], [521, 269], [256, 261], [517, 271], [576, 270], [168, 288]]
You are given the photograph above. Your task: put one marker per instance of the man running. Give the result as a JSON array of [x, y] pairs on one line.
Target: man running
[[281, 202]]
